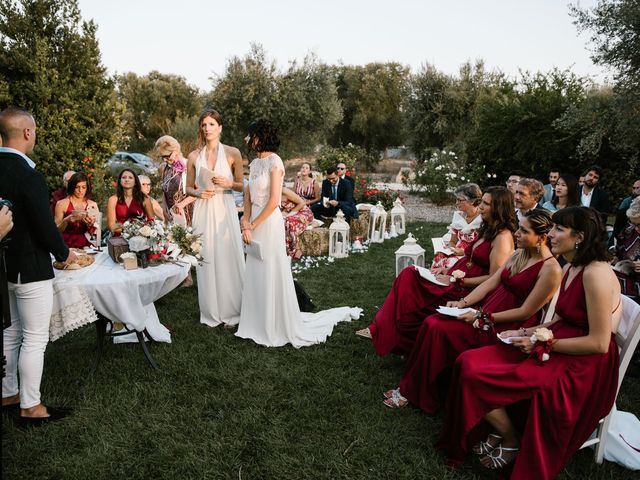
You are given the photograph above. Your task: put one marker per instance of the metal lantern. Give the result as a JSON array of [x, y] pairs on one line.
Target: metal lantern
[[377, 223], [409, 254], [339, 237], [398, 218]]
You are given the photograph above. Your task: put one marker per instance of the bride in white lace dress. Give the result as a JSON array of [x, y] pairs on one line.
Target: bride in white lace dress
[[270, 315]]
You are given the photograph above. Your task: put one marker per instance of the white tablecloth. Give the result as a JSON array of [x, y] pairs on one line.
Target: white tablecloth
[[121, 295]]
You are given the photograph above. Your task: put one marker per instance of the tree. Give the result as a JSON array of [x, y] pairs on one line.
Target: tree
[[372, 97], [302, 101], [153, 103], [515, 124], [50, 65]]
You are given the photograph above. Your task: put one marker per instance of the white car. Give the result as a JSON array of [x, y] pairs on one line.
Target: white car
[[132, 159]]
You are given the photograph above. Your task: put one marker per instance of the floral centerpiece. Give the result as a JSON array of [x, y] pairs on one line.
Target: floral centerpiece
[[183, 242]]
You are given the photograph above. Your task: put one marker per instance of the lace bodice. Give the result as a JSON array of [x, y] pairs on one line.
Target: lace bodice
[[260, 178]]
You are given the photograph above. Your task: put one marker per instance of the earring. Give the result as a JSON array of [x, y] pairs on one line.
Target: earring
[[538, 248], [577, 243]]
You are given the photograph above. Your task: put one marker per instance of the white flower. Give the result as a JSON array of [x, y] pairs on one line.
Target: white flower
[[138, 244], [195, 247], [145, 231]]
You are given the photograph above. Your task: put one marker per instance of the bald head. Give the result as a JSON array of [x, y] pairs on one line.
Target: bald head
[[18, 129]]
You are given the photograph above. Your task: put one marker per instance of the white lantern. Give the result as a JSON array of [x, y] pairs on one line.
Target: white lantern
[[377, 222], [398, 217], [409, 254], [339, 237]]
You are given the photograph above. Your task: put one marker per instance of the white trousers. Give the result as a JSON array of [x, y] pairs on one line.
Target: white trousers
[[26, 340]]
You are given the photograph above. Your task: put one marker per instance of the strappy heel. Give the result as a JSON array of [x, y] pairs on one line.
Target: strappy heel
[[396, 400], [485, 448], [498, 461]]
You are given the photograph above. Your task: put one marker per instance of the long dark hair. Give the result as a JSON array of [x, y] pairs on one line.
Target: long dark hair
[[263, 136], [73, 183], [573, 190], [503, 214], [207, 112], [587, 221], [138, 196]]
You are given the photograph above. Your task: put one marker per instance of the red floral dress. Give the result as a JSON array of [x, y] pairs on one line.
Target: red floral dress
[[294, 225], [466, 233]]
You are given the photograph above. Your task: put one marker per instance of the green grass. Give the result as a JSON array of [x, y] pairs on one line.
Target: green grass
[[226, 408]]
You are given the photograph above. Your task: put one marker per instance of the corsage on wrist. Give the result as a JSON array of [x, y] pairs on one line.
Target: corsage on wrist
[[542, 340], [483, 321], [456, 277]]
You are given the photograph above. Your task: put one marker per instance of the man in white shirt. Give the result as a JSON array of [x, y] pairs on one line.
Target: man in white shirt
[[592, 195], [528, 193]]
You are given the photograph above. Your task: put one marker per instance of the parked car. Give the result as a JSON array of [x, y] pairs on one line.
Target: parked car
[[136, 161]]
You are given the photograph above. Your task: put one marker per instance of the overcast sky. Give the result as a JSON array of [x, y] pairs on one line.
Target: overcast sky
[[196, 38]]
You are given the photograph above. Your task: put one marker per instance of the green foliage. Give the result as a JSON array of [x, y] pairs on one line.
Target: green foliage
[[351, 155], [50, 65], [301, 101], [372, 97], [153, 103]]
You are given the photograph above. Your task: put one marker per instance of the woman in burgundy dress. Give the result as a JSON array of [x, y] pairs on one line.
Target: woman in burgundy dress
[[412, 297], [513, 298], [539, 410], [76, 214], [128, 203]]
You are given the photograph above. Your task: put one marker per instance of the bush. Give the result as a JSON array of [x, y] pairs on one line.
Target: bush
[[440, 174], [349, 155], [365, 192]]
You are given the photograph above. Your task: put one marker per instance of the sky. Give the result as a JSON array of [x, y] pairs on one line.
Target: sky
[[196, 38]]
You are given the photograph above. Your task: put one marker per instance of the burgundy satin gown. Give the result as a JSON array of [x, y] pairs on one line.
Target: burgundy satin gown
[[442, 338], [74, 235], [556, 404], [412, 298], [132, 211]]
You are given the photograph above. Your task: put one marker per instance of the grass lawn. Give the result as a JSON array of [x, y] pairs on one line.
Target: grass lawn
[[226, 408]]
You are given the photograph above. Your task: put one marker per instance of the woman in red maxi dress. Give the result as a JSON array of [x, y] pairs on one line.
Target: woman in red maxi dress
[[553, 403], [412, 298], [514, 296], [128, 203]]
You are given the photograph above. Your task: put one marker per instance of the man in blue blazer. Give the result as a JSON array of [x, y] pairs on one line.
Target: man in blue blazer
[[335, 194], [29, 272]]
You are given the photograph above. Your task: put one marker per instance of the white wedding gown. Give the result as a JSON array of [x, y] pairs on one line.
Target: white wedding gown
[[270, 314], [220, 278]]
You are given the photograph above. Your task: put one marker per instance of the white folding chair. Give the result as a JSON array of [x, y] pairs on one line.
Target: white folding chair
[[627, 338]]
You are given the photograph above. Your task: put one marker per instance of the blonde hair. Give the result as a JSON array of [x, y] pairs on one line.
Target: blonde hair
[[165, 145], [540, 222]]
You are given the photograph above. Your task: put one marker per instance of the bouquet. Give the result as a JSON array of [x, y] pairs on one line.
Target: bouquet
[[182, 242], [144, 235], [542, 340]]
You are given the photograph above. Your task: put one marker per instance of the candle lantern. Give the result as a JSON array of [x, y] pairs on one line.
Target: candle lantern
[[339, 237], [377, 223], [409, 254], [398, 217]]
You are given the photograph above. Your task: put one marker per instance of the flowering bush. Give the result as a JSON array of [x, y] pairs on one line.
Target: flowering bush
[[364, 191]]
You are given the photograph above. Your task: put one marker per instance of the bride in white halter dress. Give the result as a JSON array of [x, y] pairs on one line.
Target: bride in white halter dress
[[270, 313], [220, 278]]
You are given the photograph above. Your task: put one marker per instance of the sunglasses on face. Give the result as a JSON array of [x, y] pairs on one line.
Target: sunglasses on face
[[341, 168]]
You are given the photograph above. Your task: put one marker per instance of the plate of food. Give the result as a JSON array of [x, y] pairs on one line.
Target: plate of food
[[82, 260]]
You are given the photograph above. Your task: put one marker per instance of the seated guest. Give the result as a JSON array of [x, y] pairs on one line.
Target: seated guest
[[128, 203], [627, 252], [296, 218], [464, 226], [173, 178], [306, 186], [560, 389], [592, 195], [567, 193], [342, 173], [621, 213], [511, 298], [412, 297], [528, 193], [513, 179], [336, 195], [73, 215], [549, 188], [145, 186], [61, 192]]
